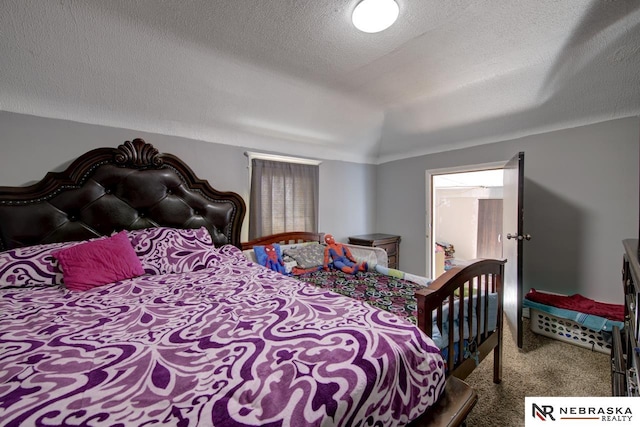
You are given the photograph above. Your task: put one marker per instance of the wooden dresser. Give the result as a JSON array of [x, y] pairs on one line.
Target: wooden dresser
[[625, 360], [388, 242]]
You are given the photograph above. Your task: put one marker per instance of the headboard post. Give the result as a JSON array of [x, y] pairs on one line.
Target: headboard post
[[111, 189]]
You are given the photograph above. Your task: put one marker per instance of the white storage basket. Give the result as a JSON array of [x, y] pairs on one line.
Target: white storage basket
[[569, 331]]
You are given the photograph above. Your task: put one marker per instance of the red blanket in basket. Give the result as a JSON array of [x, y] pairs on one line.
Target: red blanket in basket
[[579, 303]]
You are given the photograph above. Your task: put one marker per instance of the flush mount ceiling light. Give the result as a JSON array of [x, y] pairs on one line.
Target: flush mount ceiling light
[[372, 16]]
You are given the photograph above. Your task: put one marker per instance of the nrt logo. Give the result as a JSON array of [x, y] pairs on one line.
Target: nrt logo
[[542, 412]]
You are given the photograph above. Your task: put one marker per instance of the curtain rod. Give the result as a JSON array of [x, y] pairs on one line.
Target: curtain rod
[[278, 158]]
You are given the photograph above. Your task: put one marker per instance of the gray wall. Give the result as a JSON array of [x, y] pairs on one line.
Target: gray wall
[[581, 201], [31, 146], [581, 190]]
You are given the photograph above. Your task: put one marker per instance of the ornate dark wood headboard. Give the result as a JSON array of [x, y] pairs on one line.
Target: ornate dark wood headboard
[[112, 189]]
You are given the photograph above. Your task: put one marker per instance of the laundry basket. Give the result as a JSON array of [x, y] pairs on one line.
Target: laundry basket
[[569, 331]]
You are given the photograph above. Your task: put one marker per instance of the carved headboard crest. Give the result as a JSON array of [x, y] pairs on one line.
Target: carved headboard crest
[[110, 189], [137, 153]]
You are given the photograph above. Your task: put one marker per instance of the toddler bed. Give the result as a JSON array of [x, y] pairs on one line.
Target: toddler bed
[[170, 324], [433, 306]]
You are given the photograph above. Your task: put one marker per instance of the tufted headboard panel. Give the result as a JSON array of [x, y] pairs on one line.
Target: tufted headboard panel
[[112, 189]]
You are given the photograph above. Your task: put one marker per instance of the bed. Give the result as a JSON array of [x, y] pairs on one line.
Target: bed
[[433, 306], [170, 323]]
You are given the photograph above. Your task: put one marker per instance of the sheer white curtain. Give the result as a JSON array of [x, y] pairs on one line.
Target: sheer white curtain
[[284, 197]]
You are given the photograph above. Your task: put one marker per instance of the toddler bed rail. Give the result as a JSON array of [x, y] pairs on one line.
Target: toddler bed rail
[[478, 288]]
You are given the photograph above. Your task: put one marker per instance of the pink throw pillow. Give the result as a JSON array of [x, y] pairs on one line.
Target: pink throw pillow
[[99, 262]]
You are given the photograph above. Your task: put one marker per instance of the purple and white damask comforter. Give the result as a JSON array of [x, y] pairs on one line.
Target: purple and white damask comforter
[[231, 345]]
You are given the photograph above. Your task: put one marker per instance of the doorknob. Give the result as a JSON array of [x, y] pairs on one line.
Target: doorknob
[[512, 236]]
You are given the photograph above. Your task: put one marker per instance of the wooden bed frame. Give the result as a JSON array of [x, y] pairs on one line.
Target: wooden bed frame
[[133, 186], [285, 239], [485, 274]]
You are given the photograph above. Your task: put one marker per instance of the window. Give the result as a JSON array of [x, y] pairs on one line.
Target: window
[[284, 196]]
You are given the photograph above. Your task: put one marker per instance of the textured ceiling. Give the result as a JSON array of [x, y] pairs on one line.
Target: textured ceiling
[[295, 76]]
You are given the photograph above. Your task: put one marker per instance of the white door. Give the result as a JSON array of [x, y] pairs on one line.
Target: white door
[[513, 239]]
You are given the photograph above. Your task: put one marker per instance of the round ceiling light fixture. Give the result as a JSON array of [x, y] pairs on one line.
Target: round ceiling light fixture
[[372, 16]]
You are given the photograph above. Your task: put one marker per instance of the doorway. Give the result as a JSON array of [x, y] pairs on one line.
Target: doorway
[[466, 212], [446, 253]]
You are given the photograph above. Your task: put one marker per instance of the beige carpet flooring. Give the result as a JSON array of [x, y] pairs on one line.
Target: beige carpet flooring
[[544, 367]]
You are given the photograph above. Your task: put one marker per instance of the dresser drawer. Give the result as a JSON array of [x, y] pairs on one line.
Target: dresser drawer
[[618, 373], [391, 248], [392, 262]]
